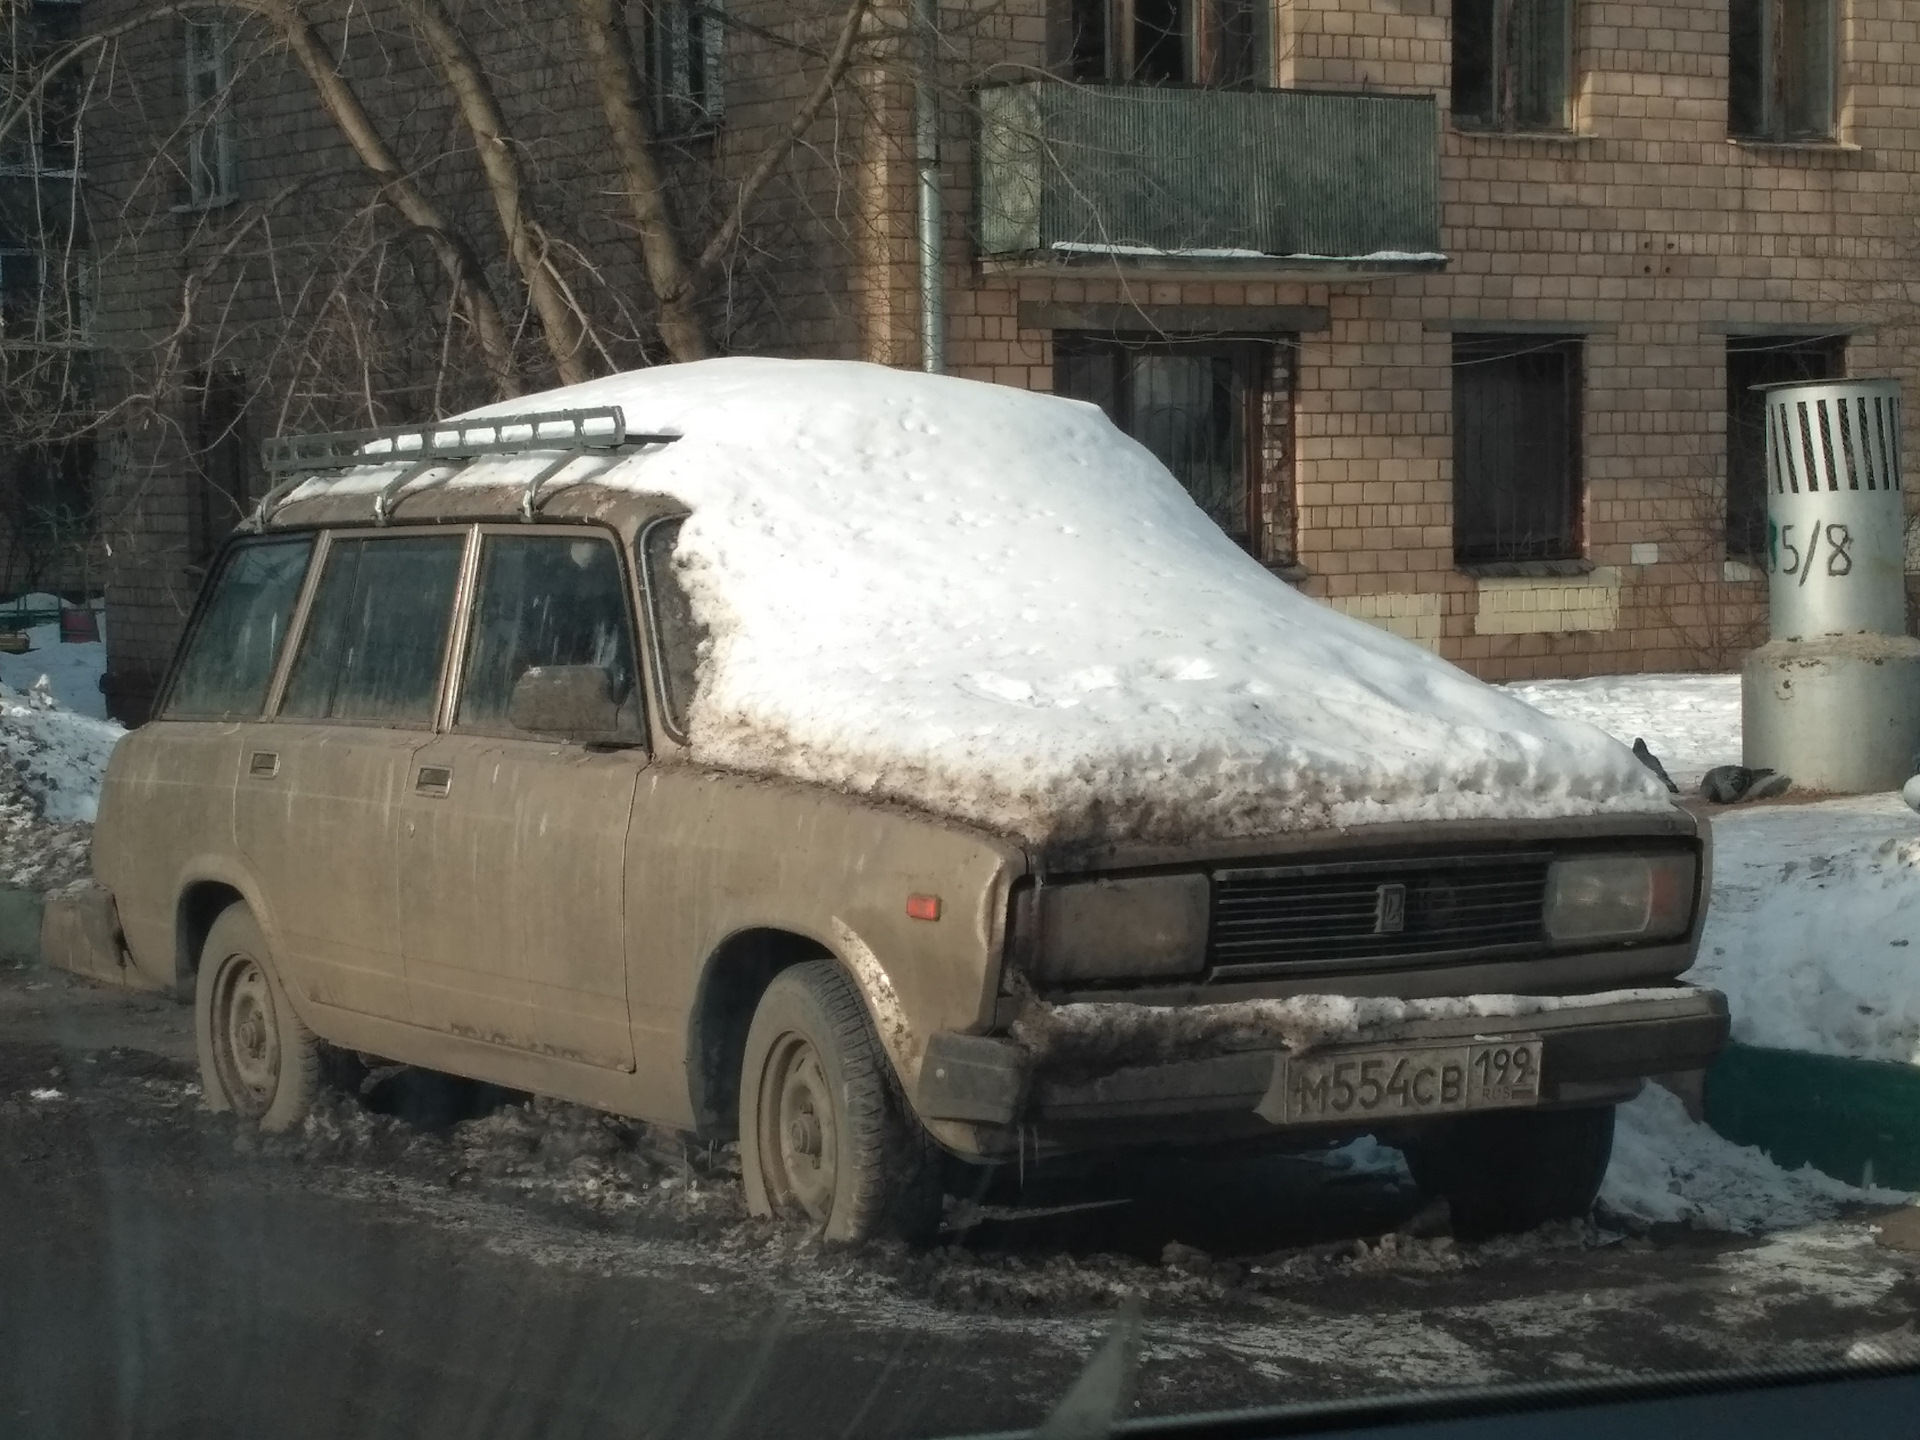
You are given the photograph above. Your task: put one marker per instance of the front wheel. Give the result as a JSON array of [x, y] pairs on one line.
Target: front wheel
[[256, 1057], [825, 1135], [1508, 1171]]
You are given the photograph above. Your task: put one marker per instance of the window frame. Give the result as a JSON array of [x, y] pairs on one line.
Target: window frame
[[296, 626], [1509, 346], [212, 180], [672, 27], [1774, 129], [1115, 50], [655, 639], [303, 612], [453, 676], [1505, 120]]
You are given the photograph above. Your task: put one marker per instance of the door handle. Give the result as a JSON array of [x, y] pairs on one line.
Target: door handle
[[433, 780], [264, 764]]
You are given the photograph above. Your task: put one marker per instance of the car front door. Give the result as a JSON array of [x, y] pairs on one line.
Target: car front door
[[320, 790], [514, 846]]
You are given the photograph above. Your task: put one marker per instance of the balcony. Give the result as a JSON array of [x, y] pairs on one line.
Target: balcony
[[1164, 181]]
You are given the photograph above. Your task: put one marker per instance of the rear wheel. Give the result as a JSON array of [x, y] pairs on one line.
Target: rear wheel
[[256, 1057], [825, 1134], [1508, 1171]]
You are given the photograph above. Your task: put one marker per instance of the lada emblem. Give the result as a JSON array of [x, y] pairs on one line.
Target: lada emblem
[[1389, 909]]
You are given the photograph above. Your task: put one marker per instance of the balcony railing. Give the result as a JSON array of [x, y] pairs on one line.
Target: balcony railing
[[1165, 178]]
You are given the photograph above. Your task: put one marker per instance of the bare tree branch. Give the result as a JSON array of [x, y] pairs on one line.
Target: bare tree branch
[[344, 108], [460, 67], [770, 158], [622, 103]]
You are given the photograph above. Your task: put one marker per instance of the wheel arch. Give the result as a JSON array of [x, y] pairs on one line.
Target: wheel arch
[[734, 978], [200, 903]]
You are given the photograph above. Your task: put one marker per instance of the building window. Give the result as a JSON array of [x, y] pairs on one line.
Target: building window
[[210, 140], [1148, 42], [1197, 406], [686, 43], [1516, 449], [1513, 64], [1780, 69], [1763, 360]]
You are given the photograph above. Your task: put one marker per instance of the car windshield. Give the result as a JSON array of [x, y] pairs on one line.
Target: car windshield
[[873, 721]]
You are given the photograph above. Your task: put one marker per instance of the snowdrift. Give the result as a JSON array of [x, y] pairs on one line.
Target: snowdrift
[[993, 605]]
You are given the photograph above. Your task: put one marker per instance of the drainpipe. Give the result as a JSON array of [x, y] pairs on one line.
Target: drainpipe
[[926, 161]]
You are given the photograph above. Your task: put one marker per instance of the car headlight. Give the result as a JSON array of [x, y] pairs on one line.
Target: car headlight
[[1620, 897], [1154, 927]]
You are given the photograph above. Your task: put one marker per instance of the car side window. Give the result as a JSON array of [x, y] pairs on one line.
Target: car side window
[[228, 660], [679, 636], [545, 600], [376, 634]]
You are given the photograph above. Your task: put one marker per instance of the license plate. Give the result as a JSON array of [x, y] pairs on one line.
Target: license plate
[[1403, 1082]]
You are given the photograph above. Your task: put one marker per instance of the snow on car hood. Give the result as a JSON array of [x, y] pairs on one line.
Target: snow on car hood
[[992, 604]]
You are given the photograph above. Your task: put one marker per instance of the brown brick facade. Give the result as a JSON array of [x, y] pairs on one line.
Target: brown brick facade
[[1645, 232]]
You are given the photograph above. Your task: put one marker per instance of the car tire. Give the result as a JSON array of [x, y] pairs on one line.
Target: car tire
[[825, 1134], [1510, 1171], [257, 1060]]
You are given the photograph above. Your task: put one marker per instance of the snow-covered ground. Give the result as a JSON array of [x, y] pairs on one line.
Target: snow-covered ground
[[1690, 722], [1814, 929]]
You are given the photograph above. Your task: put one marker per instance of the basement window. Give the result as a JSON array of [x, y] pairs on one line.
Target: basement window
[[1780, 70], [1516, 449], [1513, 64]]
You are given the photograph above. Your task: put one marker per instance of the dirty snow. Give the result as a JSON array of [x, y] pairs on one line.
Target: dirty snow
[[1092, 1035], [1669, 1169], [52, 724], [992, 604]]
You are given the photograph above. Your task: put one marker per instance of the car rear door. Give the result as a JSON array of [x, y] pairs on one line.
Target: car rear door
[[168, 816], [514, 846], [319, 797]]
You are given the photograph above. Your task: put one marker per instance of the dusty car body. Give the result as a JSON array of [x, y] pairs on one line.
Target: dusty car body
[[541, 888]]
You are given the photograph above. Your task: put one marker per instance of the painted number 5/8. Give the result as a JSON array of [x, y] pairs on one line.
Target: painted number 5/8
[[1839, 550]]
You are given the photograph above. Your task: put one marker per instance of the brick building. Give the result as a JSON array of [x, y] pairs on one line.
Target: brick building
[[1447, 311]]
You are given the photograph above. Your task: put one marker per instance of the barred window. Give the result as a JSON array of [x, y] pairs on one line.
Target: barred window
[[1516, 449]]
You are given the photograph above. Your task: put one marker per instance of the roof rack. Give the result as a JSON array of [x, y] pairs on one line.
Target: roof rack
[[450, 445]]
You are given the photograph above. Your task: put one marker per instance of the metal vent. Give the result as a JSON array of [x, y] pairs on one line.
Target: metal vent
[[1305, 919], [1834, 435]]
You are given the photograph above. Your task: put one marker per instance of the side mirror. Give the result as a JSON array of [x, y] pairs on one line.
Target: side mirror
[[576, 702]]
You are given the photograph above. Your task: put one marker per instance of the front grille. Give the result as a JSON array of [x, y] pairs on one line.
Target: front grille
[[1306, 918]]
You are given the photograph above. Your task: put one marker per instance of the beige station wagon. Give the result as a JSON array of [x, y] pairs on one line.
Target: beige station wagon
[[420, 786]]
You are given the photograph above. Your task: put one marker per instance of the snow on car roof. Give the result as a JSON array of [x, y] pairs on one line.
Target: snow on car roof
[[992, 604]]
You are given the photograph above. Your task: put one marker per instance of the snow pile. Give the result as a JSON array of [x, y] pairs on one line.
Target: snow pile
[[53, 730], [1814, 930], [992, 604], [1691, 722], [1669, 1169], [1090, 1037]]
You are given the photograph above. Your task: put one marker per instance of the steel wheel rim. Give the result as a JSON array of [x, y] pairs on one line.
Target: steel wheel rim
[[246, 1039], [799, 1135]]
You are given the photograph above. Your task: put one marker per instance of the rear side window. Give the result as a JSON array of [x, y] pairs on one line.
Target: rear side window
[[377, 632], [229, 658], [547, 600], [678, 636]]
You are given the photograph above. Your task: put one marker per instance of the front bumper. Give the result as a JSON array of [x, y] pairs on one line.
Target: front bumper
[[1591, 1053]]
